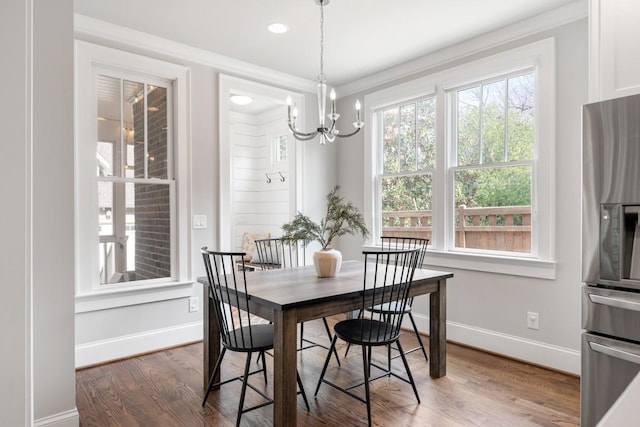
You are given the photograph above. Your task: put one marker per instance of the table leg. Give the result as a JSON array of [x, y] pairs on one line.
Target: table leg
[[284, 369], [438, 331], [210, 337]]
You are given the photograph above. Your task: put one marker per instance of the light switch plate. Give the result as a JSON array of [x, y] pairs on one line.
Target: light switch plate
[[199, 222]]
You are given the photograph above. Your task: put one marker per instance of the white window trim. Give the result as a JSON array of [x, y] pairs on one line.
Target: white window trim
[[90, 295], [541, 55]]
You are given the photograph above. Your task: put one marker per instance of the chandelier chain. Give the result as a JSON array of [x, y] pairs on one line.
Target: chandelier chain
[[321, 76]]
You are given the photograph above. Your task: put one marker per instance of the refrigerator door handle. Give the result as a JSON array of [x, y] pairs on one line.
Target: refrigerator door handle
[[614, 352], [615, 302]]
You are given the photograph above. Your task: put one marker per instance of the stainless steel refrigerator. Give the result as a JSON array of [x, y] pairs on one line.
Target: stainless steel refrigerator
[[610, 253]]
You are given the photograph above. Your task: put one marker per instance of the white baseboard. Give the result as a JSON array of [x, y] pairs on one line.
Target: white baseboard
[[64, 419], [129, 345], [539, 353]]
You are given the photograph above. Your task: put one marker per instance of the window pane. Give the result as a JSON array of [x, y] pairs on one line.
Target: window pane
[[493, 209], [521, 117], [468, 129], [134, 231], [408, 138], [493, 123], [133, 127], [390, 140], [105, 157], [426, 133], [406, 206], [108, 125], [157, 128], [105, 208], [279, 148]]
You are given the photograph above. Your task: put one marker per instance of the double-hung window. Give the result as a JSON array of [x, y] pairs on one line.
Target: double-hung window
[[465, 158], [492, 163], [131, 179]]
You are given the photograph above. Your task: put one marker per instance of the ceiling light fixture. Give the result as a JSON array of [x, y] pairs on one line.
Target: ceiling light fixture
[[241, 99], [326, 133], [278, 28]]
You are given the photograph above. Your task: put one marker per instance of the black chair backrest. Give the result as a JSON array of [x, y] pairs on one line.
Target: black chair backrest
[[392, 242], [276, 253], [270, 253], [227, 284], [388, 273]]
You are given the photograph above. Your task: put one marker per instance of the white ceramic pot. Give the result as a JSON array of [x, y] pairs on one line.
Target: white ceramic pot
[[327, 262]]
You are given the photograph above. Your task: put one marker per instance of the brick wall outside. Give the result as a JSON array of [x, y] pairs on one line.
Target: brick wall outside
[[152, 205]]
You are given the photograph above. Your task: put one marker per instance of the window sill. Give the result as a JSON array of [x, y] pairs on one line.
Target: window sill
[[132, 295], [515, 266]]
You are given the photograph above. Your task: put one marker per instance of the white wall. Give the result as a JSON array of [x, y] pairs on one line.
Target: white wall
[[53, 236], [36, 293], [258, 206], [15, 280], [489, 310]]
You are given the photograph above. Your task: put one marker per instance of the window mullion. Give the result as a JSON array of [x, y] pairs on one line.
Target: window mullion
[[398, 140], [481, 124], [415, 136], [506, 120], [121, 148], [145, 128]]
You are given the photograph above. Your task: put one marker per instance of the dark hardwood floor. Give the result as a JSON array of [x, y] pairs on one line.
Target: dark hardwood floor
[[480, 389]]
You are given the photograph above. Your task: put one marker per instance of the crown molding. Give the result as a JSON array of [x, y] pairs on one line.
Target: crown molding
[[101, 32], [539, 23]]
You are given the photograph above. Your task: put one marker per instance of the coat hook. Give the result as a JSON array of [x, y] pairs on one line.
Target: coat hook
[[281, 176], [268, 179]]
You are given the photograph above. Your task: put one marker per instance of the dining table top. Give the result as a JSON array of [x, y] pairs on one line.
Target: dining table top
[[283, 289]]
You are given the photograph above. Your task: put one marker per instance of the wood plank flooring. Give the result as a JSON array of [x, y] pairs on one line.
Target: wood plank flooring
[[480, 389]]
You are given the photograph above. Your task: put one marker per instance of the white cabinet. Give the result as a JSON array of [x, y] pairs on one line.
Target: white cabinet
[[614, 46]]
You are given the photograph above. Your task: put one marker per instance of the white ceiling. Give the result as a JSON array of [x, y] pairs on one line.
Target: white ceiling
[[362, 37]]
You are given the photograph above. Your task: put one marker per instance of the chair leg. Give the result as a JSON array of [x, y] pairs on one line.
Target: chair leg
[[245, 379], [415, 329], [406, 367], [264, 368], [347, 350], [326, 327], [326, 363], [213, 374], [301, 334], [349, 344], [366, 360], [304, 395]]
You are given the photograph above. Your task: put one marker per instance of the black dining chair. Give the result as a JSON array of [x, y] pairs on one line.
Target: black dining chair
[[240, 331], [391, 242], [275, 253], [388, 275]]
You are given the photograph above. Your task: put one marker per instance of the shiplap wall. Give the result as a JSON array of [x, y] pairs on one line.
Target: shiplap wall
[[258, 206]]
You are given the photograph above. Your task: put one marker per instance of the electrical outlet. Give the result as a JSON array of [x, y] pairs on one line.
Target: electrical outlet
[[533, 320], [194, 304]]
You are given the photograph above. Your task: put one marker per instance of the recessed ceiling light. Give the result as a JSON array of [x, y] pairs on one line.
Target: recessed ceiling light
[[241, 99], [277, 28]]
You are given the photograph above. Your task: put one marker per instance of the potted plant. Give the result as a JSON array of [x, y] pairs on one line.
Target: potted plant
[[341, 218]]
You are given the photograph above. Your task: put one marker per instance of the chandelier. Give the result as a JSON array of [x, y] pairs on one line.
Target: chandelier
[[326, 132]]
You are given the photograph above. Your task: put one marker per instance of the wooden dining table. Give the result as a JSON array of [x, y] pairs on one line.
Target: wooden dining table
[[289, 296]]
